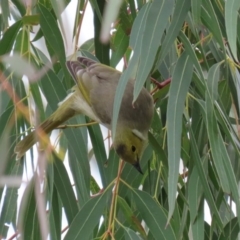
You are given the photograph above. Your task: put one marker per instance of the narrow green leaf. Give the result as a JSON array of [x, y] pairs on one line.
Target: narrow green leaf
[[99, 152], [190, 51], [180, 216], [151, 182], [6, 116], [154, 215], [133, 8], [10, 202], [78, 159], [130, 72], [214, 50], [131, 219], [231, 19], [112, 165], [196, 11], [8, 38], [101, 49], [130, 234], [195, 191], [4, 144], [22, 44], [58, 7], [231, 176], [53, 209], [5, 11], [94, 186], [55, 216], [231, 230], [52, 32], [119, 233], [120, 91], [88, 217], [208, 232], [53, 89], [95, 6], [233, 81], [198, 225], [54, 92], [158, 148], [138, 28], [119, 46], [35, 90], [65, 190], [20, 6], [204, 180], [177, 94], [210, 20], [38, 36], [110, 14], [28, 220], [53, 36], [4, 98], [225, 95], [88, 46], [178, 17], [155, 25], [126, 19], [228, 129], [212, 128]]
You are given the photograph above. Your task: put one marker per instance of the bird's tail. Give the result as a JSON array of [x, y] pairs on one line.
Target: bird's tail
[[62, 114]]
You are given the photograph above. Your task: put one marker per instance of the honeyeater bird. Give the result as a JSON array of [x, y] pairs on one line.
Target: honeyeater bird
[[93, 95]]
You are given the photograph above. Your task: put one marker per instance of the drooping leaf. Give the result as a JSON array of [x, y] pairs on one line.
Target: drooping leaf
[[231, 19], [88, 217], [154, 215], [7, 41], [177, 94]]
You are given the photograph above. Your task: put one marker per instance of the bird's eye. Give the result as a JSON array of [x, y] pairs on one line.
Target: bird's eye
[[133, 148]]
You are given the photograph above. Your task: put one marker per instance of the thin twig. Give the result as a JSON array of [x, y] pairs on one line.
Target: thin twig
[[161, 85], [112, 213], [79, 27], [76, 125]]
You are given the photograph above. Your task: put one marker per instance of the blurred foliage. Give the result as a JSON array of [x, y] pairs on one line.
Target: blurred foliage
[[192, 158]]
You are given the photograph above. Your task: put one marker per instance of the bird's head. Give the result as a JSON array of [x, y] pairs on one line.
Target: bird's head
[[129, 145]]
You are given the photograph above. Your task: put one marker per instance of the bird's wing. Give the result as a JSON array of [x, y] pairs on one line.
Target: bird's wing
[[97, 83], [86, 72], [77, 69]]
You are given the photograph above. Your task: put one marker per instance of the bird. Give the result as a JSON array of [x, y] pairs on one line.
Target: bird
[[93, 95]]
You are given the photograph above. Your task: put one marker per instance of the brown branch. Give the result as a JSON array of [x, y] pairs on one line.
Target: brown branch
[[13, 236], [64, 229], [161, 85], [99, 193]]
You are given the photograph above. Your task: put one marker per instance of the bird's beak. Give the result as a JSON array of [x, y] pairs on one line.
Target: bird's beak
[[137, 166]]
